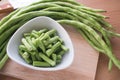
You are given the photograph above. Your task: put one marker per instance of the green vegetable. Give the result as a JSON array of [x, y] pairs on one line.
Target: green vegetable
[[38, 57], [64, 48], [53, 48], [54, 57], [41, 45], [47, 59], [97, 37], [3, 61], [35, 51], [68, 1], [2, 53], [27, 45], [41, 64], [51, 40], [8, 17], [79, 8], [91, 25], [26, 56]]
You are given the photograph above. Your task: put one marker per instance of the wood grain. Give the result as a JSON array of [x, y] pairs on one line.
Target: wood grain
[[83, 67], [82, 49], [6, 77]]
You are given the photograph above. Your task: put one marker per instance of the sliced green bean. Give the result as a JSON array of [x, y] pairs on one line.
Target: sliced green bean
[[23, 48], [38, 57], [26, 56], [49, 46], [41, 64], [33, 56], [59, 57], [54, 57], [53, 49], [49, 52], [47, 59], [44, 37], [27, 45], [34, 35], [40, 44], [51, 40], [42, 31], [51, 32], [64, 48], [58, 61]]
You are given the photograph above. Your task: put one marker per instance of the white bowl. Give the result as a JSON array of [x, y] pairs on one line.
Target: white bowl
[[37, 24]]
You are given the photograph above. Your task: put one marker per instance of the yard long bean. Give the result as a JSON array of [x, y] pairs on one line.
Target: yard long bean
[[6, 35], [68, 1], [90, 22], [83, 18], [3, 61], [97, 37], [8, 17], [79, 8], [32, 15]]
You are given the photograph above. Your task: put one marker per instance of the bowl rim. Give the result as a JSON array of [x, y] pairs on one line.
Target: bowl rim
[[40, 68]]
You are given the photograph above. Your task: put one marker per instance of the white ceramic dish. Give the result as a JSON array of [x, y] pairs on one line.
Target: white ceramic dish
[[37, 24]]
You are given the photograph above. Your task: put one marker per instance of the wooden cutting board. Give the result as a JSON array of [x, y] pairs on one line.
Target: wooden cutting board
[[86, 58], [83, 67]]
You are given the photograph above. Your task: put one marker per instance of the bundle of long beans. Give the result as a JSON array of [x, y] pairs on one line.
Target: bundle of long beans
[[89, 23]]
